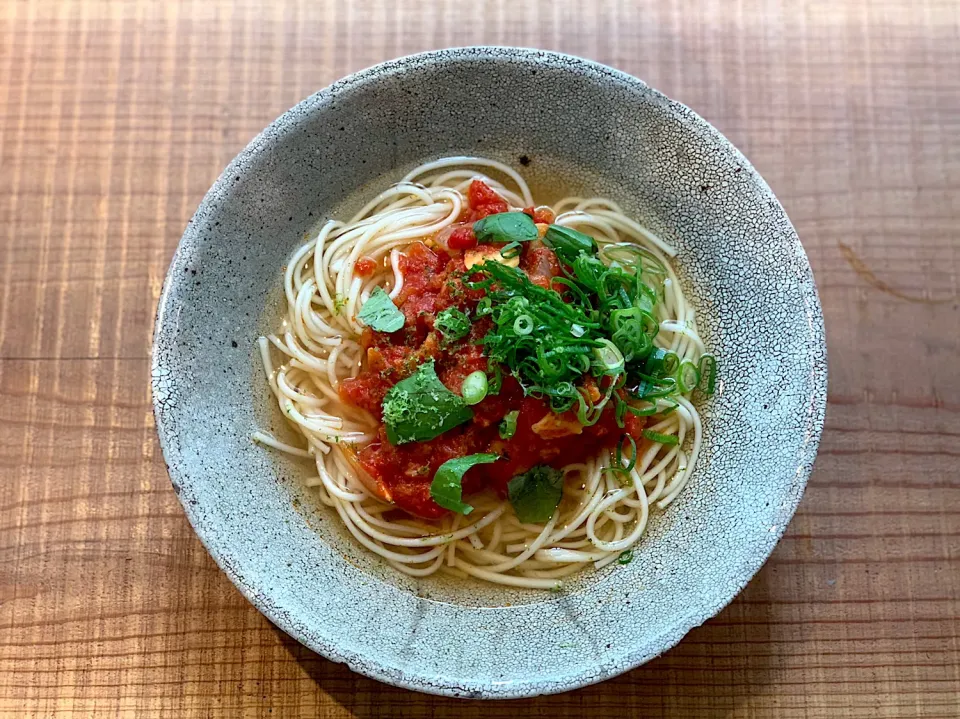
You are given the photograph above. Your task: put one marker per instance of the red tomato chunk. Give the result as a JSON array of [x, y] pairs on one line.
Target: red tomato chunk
[[365, 267]]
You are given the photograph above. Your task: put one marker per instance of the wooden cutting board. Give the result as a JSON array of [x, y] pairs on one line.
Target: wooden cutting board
[[115, 117]]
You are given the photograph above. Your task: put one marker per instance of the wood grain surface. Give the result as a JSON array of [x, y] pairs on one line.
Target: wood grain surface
[[115, 117]]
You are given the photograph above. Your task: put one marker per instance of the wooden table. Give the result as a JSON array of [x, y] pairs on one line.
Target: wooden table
[[115, 118]]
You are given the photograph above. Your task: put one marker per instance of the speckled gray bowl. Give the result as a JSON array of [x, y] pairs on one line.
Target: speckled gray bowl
[[579, 127]]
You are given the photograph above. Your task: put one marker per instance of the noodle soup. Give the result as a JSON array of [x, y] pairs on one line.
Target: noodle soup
[[489, 388]]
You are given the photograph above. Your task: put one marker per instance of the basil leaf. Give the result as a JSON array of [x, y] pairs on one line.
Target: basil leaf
[[506, 227], [453, 324], [421, 408], [446, 488], [508, 427], [379, 313], [535, 494], [568, 243]]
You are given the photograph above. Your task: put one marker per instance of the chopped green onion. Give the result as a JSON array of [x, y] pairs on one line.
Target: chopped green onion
[[673, 404], [474, 387], [653, 387], [608, 358], [625, 557], [599, 317], [476, 284], [646, 411], [639, 261], [508, 426], [688, 377], [523, 325], [495, 383], [708, 369], [633, 454], [669, 439], [661, 363]]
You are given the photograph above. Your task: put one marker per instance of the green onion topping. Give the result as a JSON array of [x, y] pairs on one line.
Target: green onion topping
[[508, 252], [708, 370], [670, 439], [688, 376], [508, 425], [633, 454], [474, 387], [608, 358], [523, 325], [494, 380], [661, 363], [596, 318]]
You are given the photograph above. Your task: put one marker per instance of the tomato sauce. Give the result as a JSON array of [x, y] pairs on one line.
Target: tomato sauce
[[431, 283]]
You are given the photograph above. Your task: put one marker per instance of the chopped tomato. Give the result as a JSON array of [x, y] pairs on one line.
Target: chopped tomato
[[540, 215], [407, 470], [365, 267], [462, 238], [540, 263], [483, 201]]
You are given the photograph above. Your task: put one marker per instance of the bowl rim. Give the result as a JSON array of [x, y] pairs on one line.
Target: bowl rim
[[370, 666]]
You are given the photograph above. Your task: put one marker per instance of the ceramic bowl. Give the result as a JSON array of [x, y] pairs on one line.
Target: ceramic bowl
[[570, 126]]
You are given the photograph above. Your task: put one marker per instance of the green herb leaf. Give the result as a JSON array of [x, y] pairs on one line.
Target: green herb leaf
[[535, 494], [506, 227], [568, 243], [379, 313], [452, 324], [508, 425], [625, 557], [421, 408], [447, 489]]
